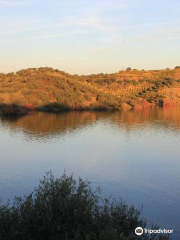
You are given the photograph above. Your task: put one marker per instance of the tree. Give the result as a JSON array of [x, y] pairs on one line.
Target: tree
[[128, 69], [68, 209]]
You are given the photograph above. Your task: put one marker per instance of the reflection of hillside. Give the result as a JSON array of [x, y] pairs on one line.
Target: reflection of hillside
[[164, 117], [45, 124]]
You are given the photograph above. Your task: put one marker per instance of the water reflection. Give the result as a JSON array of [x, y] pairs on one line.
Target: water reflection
[[133, 154], [42, 125]]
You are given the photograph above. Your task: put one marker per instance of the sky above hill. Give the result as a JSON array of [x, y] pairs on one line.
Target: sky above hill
[[89, 36]]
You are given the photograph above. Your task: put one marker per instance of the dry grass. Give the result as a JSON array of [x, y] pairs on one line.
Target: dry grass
[[46, 86]]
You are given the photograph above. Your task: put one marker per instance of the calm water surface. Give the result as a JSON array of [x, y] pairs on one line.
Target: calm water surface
[[134, 155]]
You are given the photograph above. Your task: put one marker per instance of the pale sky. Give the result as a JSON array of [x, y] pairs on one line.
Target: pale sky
[[89, 36]]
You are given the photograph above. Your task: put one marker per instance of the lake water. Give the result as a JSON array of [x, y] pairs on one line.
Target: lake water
[[134, 155]]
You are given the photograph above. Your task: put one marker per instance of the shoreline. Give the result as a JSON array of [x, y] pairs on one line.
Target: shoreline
[[13, 110]]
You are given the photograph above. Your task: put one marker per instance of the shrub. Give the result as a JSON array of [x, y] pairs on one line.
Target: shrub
[[67, 209], [12, 110], [101, 82], [53, 107], [128, 69], [88, 97], [120, 82]]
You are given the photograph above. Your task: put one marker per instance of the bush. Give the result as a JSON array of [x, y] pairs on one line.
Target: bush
[[53, 107], [88, 97], [67, 209], [13, 110]]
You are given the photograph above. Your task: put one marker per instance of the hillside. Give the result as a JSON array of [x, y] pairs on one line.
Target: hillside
[[54, 90]]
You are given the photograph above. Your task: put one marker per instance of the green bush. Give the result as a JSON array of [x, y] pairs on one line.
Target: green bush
[[67, 209], [88, 97]]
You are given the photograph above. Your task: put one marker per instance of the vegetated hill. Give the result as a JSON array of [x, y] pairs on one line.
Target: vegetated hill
[[51, 89]]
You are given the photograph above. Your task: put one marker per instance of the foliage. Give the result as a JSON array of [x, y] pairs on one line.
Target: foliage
[[67, 209], [13, 110], [43, 86]]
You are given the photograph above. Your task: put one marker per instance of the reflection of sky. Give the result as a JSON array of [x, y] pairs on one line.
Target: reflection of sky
[[140, 164]]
